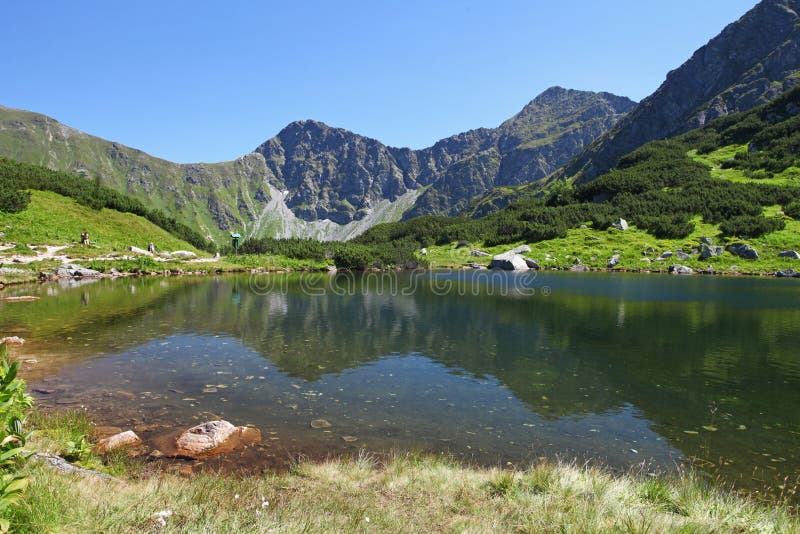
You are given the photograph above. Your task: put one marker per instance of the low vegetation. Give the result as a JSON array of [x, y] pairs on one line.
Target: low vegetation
[[17, 180]]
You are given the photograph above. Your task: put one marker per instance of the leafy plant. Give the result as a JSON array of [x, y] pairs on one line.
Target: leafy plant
[[77, 450]]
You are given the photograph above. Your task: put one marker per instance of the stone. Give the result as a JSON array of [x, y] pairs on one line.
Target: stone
[[531, 263], [706, 241], [743, 251], [76, 271], [509, 261], [649, 250], [522, 249], [123, 440], [583, 227], [788, 273], [681, 255], [214, 437], [620, 224], [791, 254], [183, 254], [613, 261], [423, 252], [12, 340], [320, 423], [478, 253], [579, 269], [143, 252], [708, 251], [680, 269]]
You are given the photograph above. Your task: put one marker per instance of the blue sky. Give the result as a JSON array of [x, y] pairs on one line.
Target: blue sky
[[209, 81]]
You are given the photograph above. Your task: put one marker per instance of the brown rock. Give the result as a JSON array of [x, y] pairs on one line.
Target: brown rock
[[215, 437], [123, 440]]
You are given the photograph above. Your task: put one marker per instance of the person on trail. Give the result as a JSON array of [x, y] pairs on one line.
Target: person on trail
[[84, 238], [151, 248]]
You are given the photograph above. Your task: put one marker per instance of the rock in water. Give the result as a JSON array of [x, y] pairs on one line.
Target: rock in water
[[320, 423], [621, 224], [743, 251], [788, 273], [215, 437], [791, 254], [76, 271], [680, 269], [123, 440], [708, 251], [532, 264], [509, 261]]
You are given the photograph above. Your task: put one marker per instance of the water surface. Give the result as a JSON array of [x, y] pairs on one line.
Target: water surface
[[493, 368]]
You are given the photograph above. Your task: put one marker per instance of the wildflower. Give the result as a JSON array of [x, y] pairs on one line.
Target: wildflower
[[264, 504], [236, 496], [366, 519]]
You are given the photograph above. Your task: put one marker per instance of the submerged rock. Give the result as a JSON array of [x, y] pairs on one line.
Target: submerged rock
[[743, 251], [320, 423], [215, 437], [123, 440]]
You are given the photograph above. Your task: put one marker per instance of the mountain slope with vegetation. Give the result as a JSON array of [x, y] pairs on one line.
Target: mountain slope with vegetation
[[312, 180], [736, 180], [750, 62]]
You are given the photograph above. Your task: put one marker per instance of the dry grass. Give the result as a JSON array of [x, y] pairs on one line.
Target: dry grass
[[407, 493]]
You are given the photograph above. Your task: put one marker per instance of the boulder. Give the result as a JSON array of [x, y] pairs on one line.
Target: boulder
[[706, 241], [620, 224], [143, 252], [579, 269], [183, 254], [215, 437], [613, 261], [743, 251], [788, 273], [478, 253], [522, 249], [509, 261], [664, 255], [76, 271], [12, 340], [681, 255], [680, 269], [791, 254], [531, 263], [423, 252], [123, 440], [709, 251]]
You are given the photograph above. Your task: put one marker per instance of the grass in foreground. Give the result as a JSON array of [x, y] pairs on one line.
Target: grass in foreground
[[407, 493]]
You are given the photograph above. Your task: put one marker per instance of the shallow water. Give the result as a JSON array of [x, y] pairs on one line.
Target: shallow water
[[492, 367]]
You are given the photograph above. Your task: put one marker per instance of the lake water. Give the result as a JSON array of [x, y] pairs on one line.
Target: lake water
[[491, 367]]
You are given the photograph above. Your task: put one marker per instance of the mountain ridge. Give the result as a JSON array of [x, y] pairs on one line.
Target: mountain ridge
[[314, 180]]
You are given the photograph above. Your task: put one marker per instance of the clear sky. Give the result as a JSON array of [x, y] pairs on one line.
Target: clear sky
[[209, 81]]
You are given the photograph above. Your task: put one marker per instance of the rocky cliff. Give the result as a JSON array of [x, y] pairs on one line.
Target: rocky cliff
[[750, 62]]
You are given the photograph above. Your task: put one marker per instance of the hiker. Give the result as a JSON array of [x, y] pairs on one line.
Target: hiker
[[84, 238], [151, 248]]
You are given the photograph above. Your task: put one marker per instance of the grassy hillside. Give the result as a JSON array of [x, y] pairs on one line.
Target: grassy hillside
[[52, 219]]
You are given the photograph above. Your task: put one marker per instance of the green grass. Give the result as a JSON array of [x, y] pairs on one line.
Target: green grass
[[790, 176], [594, 248], [52, 219], [405, 493]]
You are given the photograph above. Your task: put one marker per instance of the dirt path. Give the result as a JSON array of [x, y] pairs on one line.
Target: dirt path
[[50, 253]]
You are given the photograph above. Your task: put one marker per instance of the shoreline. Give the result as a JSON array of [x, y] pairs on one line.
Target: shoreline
[[244, 270]]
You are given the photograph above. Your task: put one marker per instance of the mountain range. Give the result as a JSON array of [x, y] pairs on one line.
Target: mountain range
[[313, 180]]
